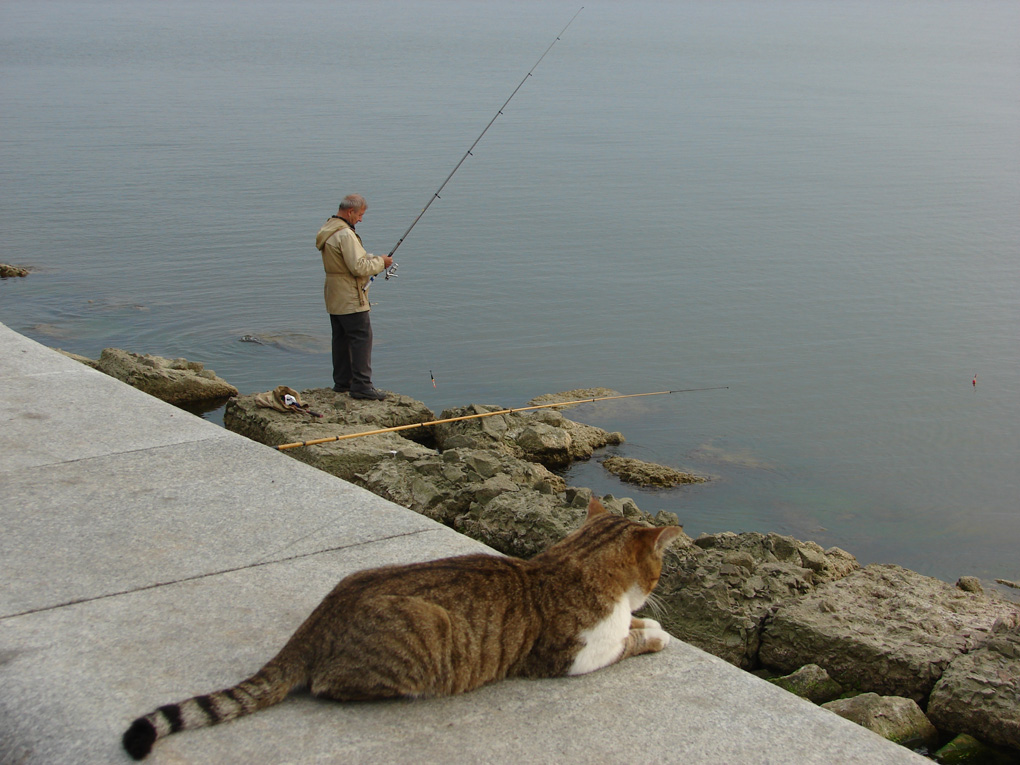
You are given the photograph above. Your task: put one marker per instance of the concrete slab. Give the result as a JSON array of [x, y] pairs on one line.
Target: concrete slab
[[129, 520], [74, 414], [20, 357], [148, 555]]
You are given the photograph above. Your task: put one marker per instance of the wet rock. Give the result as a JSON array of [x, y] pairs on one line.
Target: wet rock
[[176, 381], [812, 683], [892, 717], [7, 271], [883, 628], [719, 590], [648, 473], [979, 693]]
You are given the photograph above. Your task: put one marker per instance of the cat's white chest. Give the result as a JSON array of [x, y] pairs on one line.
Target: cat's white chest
[[604, 643]]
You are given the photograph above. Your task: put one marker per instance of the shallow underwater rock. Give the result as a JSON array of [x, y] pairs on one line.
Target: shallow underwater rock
[[648, 473], [176, 381], [8, 271]]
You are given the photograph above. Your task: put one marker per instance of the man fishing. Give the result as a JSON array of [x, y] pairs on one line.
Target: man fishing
[[348, 271]]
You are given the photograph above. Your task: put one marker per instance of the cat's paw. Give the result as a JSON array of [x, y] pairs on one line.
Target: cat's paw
[[644, 624], [655, 638]]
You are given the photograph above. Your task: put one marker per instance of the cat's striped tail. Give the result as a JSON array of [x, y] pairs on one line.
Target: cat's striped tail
[[270, 685]]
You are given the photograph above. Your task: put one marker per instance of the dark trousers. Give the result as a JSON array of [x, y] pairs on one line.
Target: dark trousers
[[352, 351]]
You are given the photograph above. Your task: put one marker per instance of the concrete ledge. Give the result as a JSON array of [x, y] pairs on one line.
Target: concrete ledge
[[148, 555]]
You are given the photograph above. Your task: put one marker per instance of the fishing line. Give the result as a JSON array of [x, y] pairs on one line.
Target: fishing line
[[396, 428]]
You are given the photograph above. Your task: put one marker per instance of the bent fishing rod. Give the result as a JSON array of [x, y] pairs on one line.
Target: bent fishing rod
[[392, 270], [347, 436]]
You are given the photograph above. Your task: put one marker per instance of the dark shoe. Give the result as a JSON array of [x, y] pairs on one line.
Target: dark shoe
[[372, 394], [338, 389]]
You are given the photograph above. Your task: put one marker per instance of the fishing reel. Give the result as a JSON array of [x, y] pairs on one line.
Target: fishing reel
[[392, 271]]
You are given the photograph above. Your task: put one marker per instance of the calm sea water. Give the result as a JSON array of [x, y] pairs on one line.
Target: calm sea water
[[813, 203]]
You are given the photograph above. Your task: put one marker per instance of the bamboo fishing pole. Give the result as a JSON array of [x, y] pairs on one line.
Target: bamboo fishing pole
[[396, 428]]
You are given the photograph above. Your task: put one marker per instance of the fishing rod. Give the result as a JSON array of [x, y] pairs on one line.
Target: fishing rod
[[346, 436], [392, 270]]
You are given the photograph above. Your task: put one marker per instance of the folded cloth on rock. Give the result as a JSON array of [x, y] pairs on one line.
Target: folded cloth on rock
[[284, 399]]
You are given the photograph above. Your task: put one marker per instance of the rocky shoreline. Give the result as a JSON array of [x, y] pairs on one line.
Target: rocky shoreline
[[933, 666]]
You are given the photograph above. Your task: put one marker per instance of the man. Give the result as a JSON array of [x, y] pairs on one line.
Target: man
[[348, 268]]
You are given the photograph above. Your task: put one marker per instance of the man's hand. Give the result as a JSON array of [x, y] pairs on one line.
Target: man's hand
[[387, 261]]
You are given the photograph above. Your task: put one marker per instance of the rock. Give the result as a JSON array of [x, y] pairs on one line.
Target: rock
[[520, 523], [578, 394], [544, 436], [523, 523], [812, 683], [717, 592], [979, 693], [969, 584], [445, 486], [628, 508], [176, 381], [7, 271], [477, 484], [892, 717], [545, 443], [481, 433], [883, 628], [967, 750], [585, 439], [341, 415], [648, 473]]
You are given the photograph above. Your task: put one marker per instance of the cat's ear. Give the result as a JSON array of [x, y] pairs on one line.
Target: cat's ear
[[660, 537], [595, 507]]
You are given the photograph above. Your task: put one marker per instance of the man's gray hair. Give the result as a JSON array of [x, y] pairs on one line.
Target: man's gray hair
[[353, 202]]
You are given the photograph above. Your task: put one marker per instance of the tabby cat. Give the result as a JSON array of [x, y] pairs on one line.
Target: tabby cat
[[449, 626]]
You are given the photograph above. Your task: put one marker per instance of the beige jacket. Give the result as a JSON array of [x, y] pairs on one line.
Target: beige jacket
[[347, 266]]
